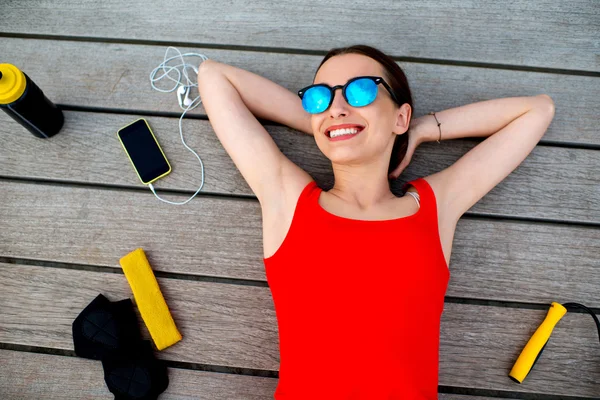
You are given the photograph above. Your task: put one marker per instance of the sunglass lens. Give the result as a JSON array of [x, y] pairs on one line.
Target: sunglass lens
[[361, 92], [316, 99]]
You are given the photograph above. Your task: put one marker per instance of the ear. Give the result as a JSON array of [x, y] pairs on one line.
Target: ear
[[403, 117]]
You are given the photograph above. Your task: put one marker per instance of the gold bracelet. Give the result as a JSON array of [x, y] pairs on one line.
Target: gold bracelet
[[438, 124]]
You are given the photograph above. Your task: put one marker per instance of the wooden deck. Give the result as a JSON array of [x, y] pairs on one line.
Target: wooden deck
[[71, 206]]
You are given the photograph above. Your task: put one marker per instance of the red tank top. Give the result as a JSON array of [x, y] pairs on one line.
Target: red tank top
[[358, 303]]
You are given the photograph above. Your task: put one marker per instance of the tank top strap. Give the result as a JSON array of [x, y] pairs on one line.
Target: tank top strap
[[306, 199], [427, 199]]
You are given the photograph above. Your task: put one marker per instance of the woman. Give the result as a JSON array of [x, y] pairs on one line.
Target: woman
[[358, 275]]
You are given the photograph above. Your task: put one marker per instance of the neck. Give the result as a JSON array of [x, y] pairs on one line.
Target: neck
[[360, 187]]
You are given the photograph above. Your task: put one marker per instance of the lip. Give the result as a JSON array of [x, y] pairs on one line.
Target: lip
[[342, 126]]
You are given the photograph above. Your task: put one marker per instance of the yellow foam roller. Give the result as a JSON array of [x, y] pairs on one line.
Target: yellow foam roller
[[149, 299]]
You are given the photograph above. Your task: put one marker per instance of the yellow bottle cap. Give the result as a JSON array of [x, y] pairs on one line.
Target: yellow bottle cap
[[12, 83]]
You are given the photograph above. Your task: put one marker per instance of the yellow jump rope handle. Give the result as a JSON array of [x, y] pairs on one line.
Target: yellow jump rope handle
[[534, 347]]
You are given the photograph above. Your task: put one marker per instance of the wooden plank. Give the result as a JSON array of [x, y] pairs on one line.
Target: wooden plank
[[28, 375], [543, 33], [79, 77], [234, 325], [89, 151], [493, 259]]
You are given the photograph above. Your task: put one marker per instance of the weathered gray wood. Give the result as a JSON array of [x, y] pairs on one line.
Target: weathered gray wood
[[553, 183], [221, 324], [539, 33], [116, 76], [30, 375], [25, 376], [492, 259], [235, 325]]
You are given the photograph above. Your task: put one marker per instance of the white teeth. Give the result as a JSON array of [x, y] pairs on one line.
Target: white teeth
[[340, 132]]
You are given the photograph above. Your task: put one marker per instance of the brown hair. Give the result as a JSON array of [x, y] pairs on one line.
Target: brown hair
[[397, 80]]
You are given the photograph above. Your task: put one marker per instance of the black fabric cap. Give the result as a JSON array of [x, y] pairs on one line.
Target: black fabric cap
[[136, 375], [109, 331], [104, 328]]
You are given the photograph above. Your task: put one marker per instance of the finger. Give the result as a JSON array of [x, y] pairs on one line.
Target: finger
[[402, 166], [396, 173]]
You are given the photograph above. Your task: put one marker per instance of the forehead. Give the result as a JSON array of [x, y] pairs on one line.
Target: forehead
[[337, 70]]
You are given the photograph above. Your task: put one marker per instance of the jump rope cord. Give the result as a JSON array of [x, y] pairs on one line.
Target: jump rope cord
[[167, 69], [572, 306]]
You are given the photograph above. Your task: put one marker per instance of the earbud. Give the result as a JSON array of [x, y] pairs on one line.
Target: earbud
[[181, 91], [187, 101]]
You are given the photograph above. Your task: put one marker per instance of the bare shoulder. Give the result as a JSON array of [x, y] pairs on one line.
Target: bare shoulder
[[447, 217], [282, 195], [278, 206], [440, 186]]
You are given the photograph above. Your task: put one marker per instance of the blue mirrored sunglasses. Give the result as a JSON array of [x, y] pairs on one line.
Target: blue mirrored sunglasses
[[359, 91]]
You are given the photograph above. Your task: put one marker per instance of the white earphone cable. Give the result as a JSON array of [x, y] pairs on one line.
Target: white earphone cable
[[190, 105]]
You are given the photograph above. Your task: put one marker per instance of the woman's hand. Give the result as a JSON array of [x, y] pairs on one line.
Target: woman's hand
[[416, 136]]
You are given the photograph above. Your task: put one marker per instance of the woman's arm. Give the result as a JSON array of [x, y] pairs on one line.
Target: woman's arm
[[480, 119], [514, 125], [266, 99], [250, 146]]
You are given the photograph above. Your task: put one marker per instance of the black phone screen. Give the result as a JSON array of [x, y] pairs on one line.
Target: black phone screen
[[144, 151]]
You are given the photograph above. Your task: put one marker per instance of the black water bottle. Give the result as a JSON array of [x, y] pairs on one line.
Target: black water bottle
[[23, 100]]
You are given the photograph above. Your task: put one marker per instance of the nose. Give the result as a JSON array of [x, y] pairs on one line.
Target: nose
[[339, 104]]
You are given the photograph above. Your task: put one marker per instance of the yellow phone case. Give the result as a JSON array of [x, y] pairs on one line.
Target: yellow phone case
[[128, 156]]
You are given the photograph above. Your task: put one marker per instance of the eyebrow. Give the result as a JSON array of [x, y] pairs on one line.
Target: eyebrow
[[325, 83]]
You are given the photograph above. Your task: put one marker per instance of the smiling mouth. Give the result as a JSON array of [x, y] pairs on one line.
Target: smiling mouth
[[359, 130]]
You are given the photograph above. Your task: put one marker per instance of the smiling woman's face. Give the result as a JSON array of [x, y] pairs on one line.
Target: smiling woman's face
[[378, 119]]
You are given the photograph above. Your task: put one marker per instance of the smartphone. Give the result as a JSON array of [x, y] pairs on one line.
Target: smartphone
[[144, 152]]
